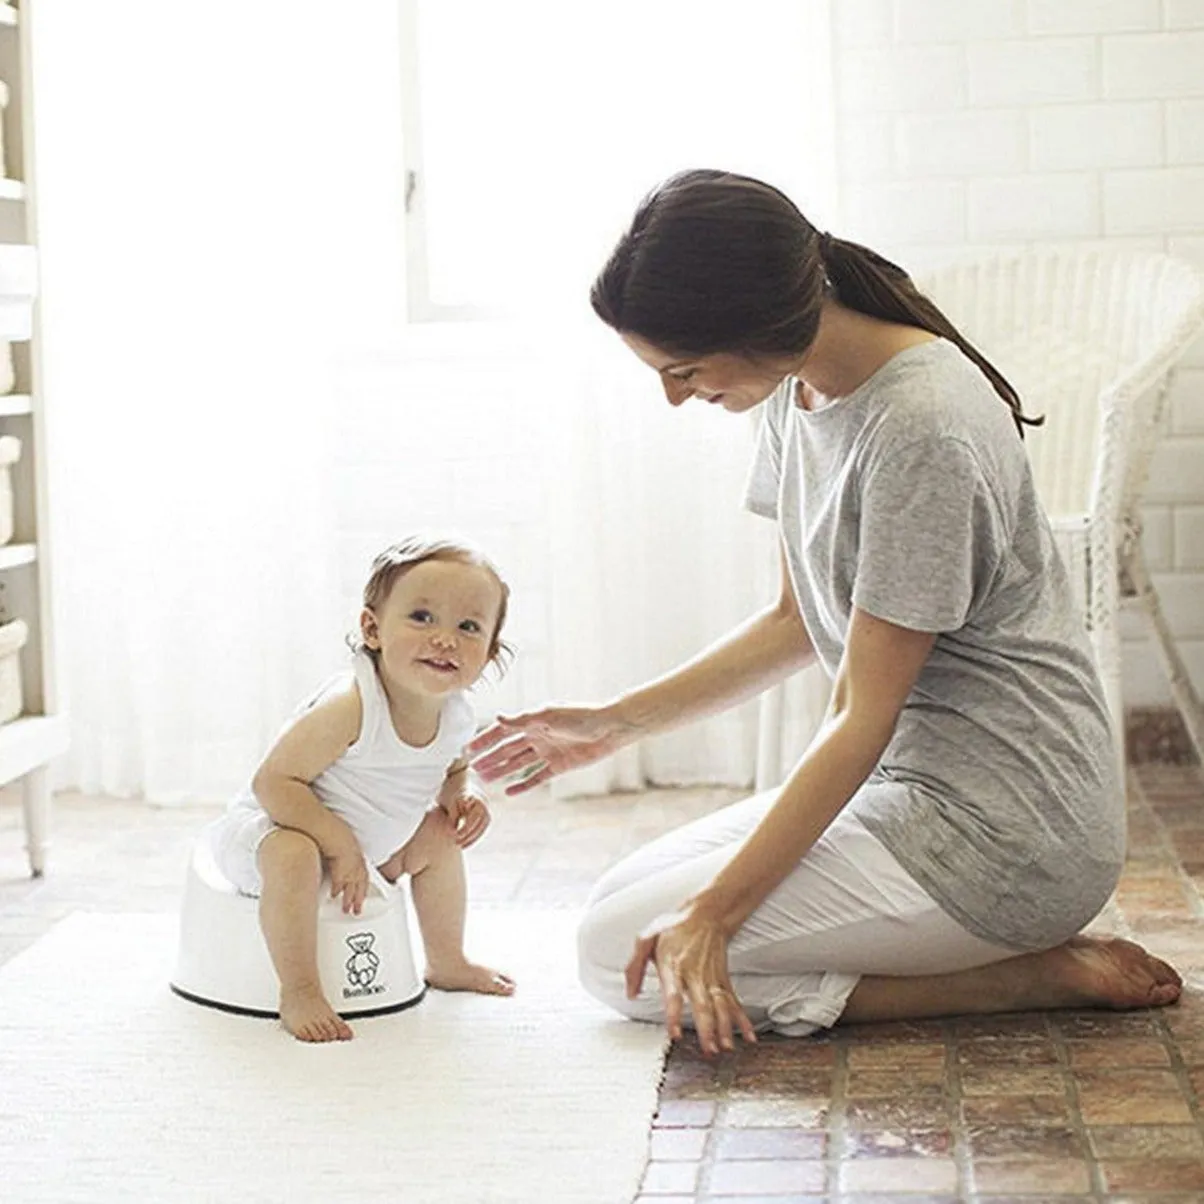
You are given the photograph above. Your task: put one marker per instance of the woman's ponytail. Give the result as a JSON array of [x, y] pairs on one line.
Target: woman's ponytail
[[867, 282]]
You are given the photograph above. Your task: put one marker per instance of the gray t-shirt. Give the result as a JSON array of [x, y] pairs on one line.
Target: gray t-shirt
[[912, 499]]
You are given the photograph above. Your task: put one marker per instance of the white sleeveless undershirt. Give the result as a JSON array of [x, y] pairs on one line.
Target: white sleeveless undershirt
[[382, 786]]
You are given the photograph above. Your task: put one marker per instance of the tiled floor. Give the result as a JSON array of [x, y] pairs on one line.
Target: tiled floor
[[1067, 1107]]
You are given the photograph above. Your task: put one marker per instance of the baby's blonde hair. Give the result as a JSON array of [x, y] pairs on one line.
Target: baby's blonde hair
[[399, 558]]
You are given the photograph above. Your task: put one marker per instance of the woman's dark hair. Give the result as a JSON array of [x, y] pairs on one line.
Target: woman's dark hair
[[717, 262]]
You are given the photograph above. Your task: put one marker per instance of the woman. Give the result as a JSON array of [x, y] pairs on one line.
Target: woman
[[958, 818]]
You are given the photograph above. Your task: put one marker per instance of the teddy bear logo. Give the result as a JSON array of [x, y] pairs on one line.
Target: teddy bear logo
[[362, 964]]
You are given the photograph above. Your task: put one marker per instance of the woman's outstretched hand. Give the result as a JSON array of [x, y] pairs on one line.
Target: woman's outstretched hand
[[690, 956], [540, 744]]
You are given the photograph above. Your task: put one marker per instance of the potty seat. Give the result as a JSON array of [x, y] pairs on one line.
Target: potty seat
[[365, 962]]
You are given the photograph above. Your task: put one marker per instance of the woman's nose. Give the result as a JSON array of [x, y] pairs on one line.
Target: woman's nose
[[675, 390]]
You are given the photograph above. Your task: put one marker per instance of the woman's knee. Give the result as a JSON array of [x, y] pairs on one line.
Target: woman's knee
[[606, 939]]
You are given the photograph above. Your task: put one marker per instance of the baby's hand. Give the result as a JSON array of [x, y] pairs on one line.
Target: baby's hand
[[470, 817], [349, 877]]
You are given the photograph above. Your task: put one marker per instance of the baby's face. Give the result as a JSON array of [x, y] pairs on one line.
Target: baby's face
[[435, 628]]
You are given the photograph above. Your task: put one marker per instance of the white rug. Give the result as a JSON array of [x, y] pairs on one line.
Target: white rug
[[112, 1088]]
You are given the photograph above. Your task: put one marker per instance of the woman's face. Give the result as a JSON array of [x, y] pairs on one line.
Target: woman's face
[[735, 382]]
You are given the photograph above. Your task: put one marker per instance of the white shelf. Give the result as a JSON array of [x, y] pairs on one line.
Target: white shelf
[[30, 741], [14, 554]]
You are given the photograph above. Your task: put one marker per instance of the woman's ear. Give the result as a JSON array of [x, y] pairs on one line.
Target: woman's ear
[[369, 629]]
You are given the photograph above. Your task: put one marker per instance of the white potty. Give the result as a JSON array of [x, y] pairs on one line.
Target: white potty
[[364, 962]]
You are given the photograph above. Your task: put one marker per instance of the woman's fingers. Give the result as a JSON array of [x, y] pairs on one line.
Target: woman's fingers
[[637, 967], [502, 726], [747, 1031], [706, 1021], [539, 773], [491, 735], [671, 993], [507, 759]]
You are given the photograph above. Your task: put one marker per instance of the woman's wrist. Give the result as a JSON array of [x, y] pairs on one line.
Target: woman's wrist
[[710, 906], [631, 716]]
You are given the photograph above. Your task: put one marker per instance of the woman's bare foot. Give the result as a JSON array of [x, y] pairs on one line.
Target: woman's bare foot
[[1085, 972], [468, 976], [309, 1017], [1107, 972]]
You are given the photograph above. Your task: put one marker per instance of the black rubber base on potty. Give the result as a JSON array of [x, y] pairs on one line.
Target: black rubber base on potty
[[235, 1010]]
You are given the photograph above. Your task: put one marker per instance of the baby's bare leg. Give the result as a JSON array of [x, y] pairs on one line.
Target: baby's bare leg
[[436, 868], [291, 867]]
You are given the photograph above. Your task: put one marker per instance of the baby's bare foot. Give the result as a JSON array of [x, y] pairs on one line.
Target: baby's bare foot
[[467, 976], [309, 1017], [1114, 973]]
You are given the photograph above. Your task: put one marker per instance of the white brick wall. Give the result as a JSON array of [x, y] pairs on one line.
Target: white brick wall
[[1005, 122]]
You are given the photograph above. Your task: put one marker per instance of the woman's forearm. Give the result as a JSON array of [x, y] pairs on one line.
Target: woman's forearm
[[838, 761], [756, 655]]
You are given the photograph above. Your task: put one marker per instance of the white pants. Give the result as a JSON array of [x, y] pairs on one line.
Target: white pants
[[848, 909]]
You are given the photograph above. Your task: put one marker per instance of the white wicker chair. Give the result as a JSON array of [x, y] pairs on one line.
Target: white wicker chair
[[1090, 339]]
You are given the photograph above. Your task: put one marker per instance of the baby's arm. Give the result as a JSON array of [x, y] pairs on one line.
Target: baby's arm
[[462, 797], [282, 784]]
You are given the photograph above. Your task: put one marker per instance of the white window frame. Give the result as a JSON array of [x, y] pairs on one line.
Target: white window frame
[[421, 308], [419, 305]]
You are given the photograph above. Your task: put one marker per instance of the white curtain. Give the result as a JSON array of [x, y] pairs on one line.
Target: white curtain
[[215, 218], [239, 417]]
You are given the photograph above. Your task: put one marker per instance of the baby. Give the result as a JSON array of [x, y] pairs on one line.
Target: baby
[[371, 771]]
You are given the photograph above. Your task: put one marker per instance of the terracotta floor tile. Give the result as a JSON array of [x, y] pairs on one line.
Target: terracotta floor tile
[[1117, 1053], [899, 1143], [1061, 1177], [1146, 1141], [1024, 1141], [1016, 1027], [992, 1080], [892, 1032], [689, 1077], [921, 1112], [1012, 1055], [787, 1053], [1106, 1025], [893, 1197], [921, 1081], [894, 1055], [1155, 1174], [769, 1144], [773, 1176], [757, 1084], [776, 1198], [1026, 1110], [899, 1174], [670, 1178], [677, 1145], [684, 1113], [1027, 1198], [1142, 1110], [775, 1113]]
